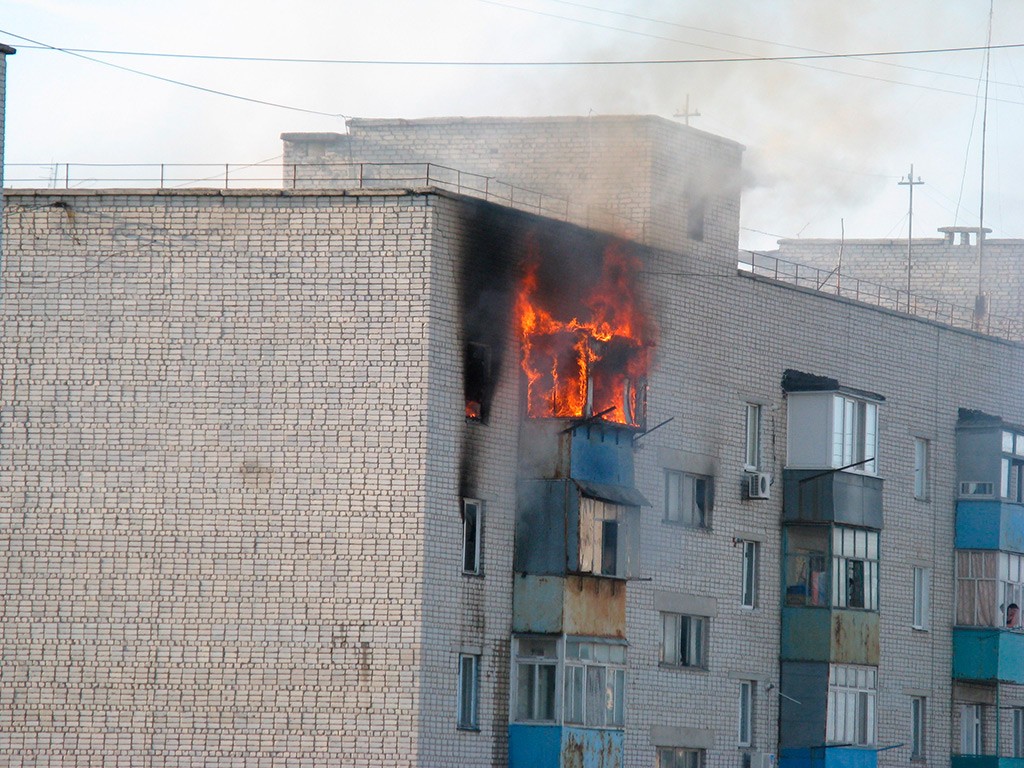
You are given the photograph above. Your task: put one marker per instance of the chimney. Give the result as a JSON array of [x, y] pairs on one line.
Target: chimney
[[5, 51]]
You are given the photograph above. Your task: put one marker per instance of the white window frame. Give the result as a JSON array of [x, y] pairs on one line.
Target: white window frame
[[745, 725], [596, 554], [852, 692], [594, 690], [853, 550], [922, 598], [469, 692], [918, 727], [680, 757], [688, 498], [531, 667], [855, 434], [921, 451], [749, 573], [971, 733], [684, 640], [1018, 732], [752, 433], [987, 583], [472, 536]]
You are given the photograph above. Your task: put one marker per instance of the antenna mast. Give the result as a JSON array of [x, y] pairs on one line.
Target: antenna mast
[[981, 301]]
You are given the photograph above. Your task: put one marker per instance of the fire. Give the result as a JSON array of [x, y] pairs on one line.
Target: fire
[[584, 341]]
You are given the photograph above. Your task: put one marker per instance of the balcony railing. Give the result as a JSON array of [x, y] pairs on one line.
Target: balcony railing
[[835, 283]]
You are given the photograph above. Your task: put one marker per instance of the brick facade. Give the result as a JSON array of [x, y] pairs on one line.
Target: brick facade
[[233, 438]]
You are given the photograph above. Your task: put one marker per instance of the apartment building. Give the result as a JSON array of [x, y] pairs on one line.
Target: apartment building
[[365, 471]]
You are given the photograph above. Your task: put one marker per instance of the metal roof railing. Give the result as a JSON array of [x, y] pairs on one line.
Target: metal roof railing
[[835, 283], [273, 174]]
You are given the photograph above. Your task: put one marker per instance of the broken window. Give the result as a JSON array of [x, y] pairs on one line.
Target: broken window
[[472, 528], [477, 381], [854, 568], [684, 640], [688, 498], [601, 528]]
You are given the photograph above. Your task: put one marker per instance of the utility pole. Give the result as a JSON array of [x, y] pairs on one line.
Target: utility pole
[[686, 114], [909, 182]]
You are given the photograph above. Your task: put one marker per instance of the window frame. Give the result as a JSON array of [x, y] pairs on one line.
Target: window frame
[[858, 699], [749, 573], [922, 451], [855, 551], [468, 710], [530, 664], [474, 548], [972, 732], [745, 724], [854, 434], [922, 580], [611, 670], [1018, 732], [701, 504], [918, 727], [752, 434], [680, 757], [987, 582], [697, 631]]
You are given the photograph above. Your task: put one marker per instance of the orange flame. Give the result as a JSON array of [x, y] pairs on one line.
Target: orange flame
[[585, 353]]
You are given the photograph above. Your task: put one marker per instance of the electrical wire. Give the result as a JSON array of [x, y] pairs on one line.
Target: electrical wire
[[172, 81]]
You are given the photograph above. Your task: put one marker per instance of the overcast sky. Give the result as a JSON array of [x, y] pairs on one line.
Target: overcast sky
[[827, 140]]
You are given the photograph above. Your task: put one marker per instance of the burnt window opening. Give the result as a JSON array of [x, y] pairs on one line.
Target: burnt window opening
[[477, 381], [695, 216]]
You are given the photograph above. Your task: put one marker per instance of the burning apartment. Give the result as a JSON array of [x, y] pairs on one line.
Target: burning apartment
[[505, 466]]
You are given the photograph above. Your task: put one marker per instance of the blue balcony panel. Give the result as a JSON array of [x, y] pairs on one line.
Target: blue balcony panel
[[990, 524], [828, 757], [555, 746], [988, 654]]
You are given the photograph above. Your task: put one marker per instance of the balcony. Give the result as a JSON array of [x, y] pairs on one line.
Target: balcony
[[990, 524], [985, 761], [556, 746], [832, 757], [988, 654], [824, 496], [841, 636]]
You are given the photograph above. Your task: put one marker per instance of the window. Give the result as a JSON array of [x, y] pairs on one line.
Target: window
[[595, 684], [695, 215], [469, 691], [922, 588], [854, 434], [536, 675], [920, 468], [851, 705], [472, 525], [1018, 732], [601, 528], [970, 729], [989, 589], [684, 640], [477, 381], [748, 599], [745, 734], [1011, 485], [917, 728], [854, 568], [752, 454], [687, 498], [807, 566], [674, 757]]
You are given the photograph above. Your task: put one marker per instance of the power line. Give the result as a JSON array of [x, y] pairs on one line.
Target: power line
[[738, 59], [747, 38], [204, 89]]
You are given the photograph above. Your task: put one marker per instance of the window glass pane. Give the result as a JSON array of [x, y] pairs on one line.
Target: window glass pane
[[752, 458], [1007, 442], [545, 692], [619, 708], [471, 521], [595, 696], [673, 495], [837, 431]]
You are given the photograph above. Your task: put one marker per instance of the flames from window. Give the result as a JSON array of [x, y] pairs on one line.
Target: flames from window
[[584, 339]]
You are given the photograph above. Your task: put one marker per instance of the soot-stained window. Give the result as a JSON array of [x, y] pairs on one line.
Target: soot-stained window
[[477, 381]]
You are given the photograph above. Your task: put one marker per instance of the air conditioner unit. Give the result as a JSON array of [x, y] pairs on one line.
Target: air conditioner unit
[[759, 485]]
